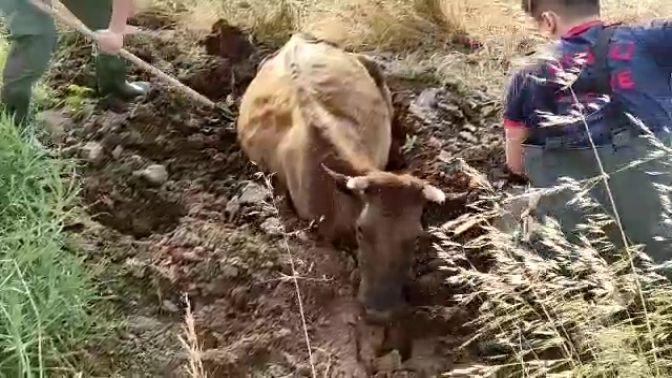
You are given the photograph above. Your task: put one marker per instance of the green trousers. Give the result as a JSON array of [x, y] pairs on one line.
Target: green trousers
[[641, 193], [32, 41]]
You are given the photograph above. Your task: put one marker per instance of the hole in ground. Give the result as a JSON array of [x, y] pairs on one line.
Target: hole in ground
[[136, 213]]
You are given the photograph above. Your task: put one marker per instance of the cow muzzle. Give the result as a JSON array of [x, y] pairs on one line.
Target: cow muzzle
[[384, 307]]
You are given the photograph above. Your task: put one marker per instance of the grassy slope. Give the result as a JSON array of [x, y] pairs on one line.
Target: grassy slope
[[45, 292]]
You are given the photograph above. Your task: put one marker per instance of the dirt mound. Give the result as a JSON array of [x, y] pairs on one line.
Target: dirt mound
[[169, 176], [230, 63]]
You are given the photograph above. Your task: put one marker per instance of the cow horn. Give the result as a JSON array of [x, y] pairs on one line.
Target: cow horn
[[358, 183], [433, 194]]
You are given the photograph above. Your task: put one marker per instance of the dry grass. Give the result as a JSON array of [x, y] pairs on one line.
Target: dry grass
[[419, 28], [191, 345]]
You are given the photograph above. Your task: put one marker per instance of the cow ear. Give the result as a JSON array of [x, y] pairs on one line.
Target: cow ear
[[340, 179], [433, 194], [348, 184]]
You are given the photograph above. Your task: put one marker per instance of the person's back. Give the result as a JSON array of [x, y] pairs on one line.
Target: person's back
[[621, 69], [638, 78]]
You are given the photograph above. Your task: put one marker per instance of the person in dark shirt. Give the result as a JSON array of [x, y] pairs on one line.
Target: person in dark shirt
[[630, 75]]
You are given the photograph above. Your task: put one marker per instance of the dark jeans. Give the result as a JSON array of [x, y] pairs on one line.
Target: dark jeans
[[640, 193]]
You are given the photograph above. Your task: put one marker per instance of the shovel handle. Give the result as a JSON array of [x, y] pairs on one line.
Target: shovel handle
[[79, 26]]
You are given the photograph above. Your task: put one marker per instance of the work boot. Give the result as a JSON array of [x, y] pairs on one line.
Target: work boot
[[111, 78], [16, 105]]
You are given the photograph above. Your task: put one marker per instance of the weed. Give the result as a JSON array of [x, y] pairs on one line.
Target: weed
[[44, 290]]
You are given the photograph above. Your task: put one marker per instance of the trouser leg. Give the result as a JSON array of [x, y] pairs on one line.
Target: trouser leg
[[640, 197], [110, 69], [31, 42]]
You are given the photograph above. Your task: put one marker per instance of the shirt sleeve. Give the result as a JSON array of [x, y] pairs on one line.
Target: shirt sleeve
[[521, 97], [658, 39]]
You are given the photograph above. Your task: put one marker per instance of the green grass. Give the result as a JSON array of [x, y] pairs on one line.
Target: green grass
[[45, 292]]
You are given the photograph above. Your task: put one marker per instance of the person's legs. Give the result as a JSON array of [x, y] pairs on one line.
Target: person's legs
[[544, 169], [635, 191], [110, 69], [31, 42], [642, 195]]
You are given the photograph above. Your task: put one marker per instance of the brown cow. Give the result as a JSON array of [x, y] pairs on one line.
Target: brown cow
[[320, 119]]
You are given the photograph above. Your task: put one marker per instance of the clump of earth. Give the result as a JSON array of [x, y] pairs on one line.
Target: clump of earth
[[179, 210]]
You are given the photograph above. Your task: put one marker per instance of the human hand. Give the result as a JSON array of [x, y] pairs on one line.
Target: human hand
[[110, 42]]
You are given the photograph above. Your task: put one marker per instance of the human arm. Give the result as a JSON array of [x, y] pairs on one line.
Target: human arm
[[112, 40], [121, 11], [515, 136], [518, 109]]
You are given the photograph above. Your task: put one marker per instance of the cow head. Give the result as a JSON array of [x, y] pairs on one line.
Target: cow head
[[387, 227]]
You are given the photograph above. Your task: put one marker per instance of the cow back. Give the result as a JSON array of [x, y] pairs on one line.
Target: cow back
[[313, 103]]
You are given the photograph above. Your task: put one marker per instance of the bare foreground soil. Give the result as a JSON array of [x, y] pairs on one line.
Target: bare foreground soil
[[206, 227]]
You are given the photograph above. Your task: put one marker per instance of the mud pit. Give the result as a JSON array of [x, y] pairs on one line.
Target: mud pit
[[206, 226]]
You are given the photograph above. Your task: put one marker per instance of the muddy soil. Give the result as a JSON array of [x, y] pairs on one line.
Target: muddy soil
[[179, 209]]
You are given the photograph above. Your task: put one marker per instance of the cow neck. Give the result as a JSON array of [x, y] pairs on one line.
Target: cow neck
[[343, 160]]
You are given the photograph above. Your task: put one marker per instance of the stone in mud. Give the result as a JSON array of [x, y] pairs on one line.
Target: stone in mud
[[116, 153], [93, 152], [389, 363], [425, 105], [254, 193], [55, 122], [469, 127], [155, 174], [170, 306], [143, 323], [273, 226], [230, 271], [469, 137], [250, 194]]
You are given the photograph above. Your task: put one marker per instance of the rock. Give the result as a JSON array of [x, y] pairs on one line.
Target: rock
[[70, 152], [273, 226], [469, 127], [250, 194], [155, 174], [143, 323], [451, 109], [389, 363], [469, 137], [253, 193], [170, 307], [137, 160], [230, 271], [116, 153], [425, 105], [56, 123], [93, 152], [302, 235]]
